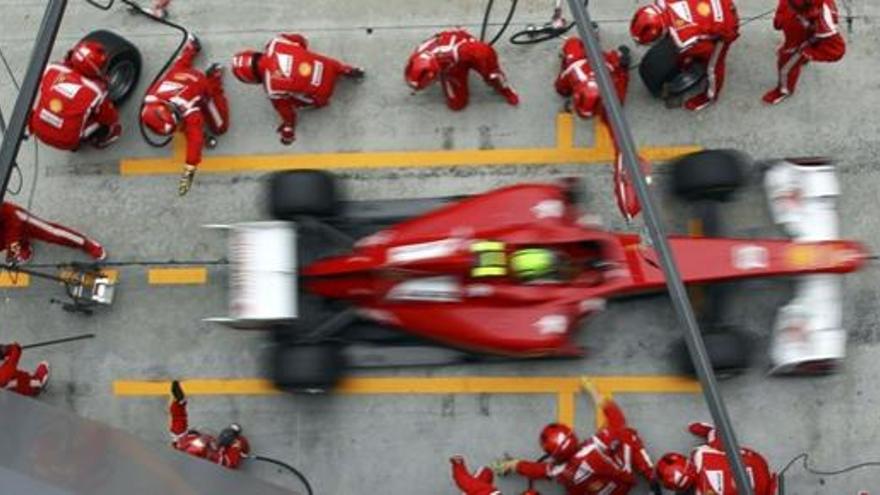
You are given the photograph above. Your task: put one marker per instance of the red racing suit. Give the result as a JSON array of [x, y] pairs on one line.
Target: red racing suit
[[295, 77], [809, 36], [703, 31], [198, 99], [18, 381], [458, 52], [576, 72], [18, 225], [201, 444], [479, 483], [603, 465], [576, 75], [714, 474], [71, 108]]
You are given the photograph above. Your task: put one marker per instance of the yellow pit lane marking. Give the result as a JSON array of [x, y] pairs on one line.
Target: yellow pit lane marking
[[564, 388], [177, 276], [14, 280], [565, 152]]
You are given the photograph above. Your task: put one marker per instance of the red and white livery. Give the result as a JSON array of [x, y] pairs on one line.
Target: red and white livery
[[19, 381], [19, 226]]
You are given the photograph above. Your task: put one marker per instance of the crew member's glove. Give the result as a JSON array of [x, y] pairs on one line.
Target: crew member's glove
[[625, 56], [510, 95], [186, 180], [229, 435], [288, 135], [177, 392], [10, 349], [13, 253], [356, 73], [591, 389], [503, 467]]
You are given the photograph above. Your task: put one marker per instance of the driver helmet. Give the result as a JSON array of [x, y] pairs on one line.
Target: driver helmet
[[534, 263]]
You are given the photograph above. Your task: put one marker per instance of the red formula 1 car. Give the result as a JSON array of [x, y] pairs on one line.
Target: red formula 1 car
[[512, 272]]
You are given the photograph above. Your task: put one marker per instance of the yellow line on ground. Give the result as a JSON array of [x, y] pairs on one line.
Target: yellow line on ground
[[177, 276], [565, 408], [9, 280], [563, 153], [426, 386]]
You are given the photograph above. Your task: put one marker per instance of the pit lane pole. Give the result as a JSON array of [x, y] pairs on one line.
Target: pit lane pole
[[677, 292], [29, 87]]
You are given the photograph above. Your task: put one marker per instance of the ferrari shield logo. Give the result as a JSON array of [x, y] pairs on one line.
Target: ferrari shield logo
[[704, 9], [305, 69], [55, 105]]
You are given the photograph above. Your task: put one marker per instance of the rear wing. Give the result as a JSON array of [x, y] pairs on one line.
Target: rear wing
[[808, 335], [263, 274]]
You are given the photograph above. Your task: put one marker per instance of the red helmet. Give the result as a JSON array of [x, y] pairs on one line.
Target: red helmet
[[246, 66], [675, 472], [160, 117], [421, 70], [586, 99], [558, 441], [648, 25], [88, 58]]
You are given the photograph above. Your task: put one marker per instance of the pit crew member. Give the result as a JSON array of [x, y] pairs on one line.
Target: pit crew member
[[811, 33], [18, 381], [450, 56], [187, 99], [18, 226], [603, 464], [707, 471], [703, 32], [577, 80], [293, 76], [228, 449], [72, 106]]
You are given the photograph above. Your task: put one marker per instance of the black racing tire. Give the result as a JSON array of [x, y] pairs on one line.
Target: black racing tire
[[710, 175], [124, 64], [296, 193], [309, 368], [659, 65], [730, 352]]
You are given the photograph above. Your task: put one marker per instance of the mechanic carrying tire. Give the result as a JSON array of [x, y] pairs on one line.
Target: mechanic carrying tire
[[690, 40], [79, 96]]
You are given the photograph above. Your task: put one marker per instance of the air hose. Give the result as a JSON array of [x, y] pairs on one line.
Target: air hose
[[301, 477], [805, 456]]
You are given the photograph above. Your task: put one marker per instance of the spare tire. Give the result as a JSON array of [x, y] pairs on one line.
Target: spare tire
[[729, 350], [311, 368], [712, 174], [124, 64], [295, 193]]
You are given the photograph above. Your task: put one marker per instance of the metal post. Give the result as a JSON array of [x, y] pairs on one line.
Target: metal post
[[676, 287], [29, 87]]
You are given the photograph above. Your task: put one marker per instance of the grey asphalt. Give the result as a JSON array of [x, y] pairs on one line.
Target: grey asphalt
[[383, 444]]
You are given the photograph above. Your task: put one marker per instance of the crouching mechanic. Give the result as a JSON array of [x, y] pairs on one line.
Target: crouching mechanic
[[72, 106], [18, 381], [293, 76], [602, 465], [702, 30], [811, 33], [707, 472], [450, 56], [227, 450], [186, 98], [577, 80], [18, 226]]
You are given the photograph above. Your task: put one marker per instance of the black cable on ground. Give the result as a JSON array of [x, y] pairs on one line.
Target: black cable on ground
[[504, 25], [805, 456], [291, 469]]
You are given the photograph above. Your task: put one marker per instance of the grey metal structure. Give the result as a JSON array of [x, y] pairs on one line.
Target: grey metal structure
[[29, 86], [677, 291], [52, 452]]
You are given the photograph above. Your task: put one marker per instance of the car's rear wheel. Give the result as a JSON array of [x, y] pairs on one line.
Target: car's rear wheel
[[309, 368], [124, 64], [729, 350], [295, 193], [710, 175]]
